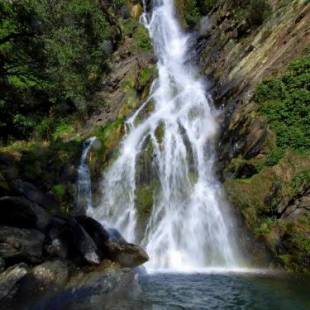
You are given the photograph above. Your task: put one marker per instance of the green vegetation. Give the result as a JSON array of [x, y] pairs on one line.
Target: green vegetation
[[285, 102], [146, 75], [274, 157], [59, 190], [138, 32], [142, 38], [301, 181], [253, 12], [53, 54]]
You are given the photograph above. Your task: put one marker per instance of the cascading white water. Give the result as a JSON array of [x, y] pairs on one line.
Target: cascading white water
[[188, 227], [84, 198]]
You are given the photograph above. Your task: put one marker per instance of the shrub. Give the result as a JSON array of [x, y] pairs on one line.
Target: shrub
[[285, 102], [274, 157]]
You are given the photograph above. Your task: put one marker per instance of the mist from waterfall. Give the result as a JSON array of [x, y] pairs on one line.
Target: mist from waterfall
[[189, 226]]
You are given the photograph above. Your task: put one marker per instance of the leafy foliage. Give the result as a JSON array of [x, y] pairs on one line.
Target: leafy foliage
[[51, 56], [285, 102]]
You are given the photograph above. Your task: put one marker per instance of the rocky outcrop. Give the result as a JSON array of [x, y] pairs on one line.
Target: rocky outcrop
[[266, 184], [69, 248]]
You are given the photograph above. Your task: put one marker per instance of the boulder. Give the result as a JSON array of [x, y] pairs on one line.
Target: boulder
[[51, 273], [127, 254], [9, 280], [32, 193], [20, 212], [21, 244], [96, 231], [67, 238]]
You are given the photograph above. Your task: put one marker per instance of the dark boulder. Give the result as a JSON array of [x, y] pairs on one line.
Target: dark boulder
[[67, 238], [19, 245], [96, 231], [32, 193], [20, 212], [112, 245], [9, 281]]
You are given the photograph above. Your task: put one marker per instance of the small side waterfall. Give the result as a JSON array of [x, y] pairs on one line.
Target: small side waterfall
[[189, 226], [84, 198]]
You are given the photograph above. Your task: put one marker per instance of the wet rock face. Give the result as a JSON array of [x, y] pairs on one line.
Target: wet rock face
[[21, 244], [97, 232], [66, 238]]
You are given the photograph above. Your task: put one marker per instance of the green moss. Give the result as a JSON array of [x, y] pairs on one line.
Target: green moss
[[142, 38], [160, 132], [301, 180], [189, 11], [145, 194], [59, 191], [264, 228], [110, 134], [146, 75], [263, 197], [63, 130]]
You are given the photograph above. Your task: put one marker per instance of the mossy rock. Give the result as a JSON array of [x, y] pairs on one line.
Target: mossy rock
[[262, 200], [146, 76], [145, 198]]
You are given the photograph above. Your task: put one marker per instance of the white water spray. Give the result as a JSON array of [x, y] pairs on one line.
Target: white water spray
[[188, 227], [84, 199]]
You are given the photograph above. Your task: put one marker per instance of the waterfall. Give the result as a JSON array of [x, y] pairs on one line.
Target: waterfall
[[84, 199], [189, 225]]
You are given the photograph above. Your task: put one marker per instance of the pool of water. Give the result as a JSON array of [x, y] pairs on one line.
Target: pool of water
[[157, 291], [223, 291]]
